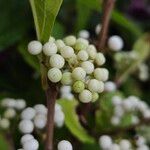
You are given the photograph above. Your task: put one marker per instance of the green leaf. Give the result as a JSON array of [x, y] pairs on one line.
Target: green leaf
[[84, 16], [125, 24], [3, 143], [30, 59], [58, 30], [142, 49], [72, 121], [44, 13]]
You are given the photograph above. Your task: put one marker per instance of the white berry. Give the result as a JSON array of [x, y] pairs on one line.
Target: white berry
[[40, 109], [40, 121], [87, 66], [66, 78], [115, 43], [64, 145], [125, 144], [26, 126], [49, 48], [110, 86], [85, 96], [70, 40], [59, 118], [67, 52], [84, 34], [105, 142], [4, 123], [34, 47], [20, 104], [28, 113], [26, 138], [101, 74], [59, 44], [91, 50], [57, 61], [31, 145], [82, 55], [10, 113], [100, 59], [94, 85], [78, 73], [54, 75]]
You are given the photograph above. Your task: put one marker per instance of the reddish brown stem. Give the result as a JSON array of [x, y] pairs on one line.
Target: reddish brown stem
[[108, 7], [51, 95]]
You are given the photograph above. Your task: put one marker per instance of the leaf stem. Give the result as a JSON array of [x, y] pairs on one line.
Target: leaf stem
[[51, 95], [108, 7]]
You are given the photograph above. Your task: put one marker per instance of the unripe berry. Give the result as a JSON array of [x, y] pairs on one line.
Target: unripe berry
[[67, 52], [35, 47], [40, 109], [54, 75], [26, 138], [4, 123], [9, 113], [84, 34], [49, 48], [66, 78], [87, 66], [57, 61], [26, 126], [143, 147], [64, 145], [28, 113], [94, 85], [82, 55], [31, 145], [70, 40], [85, 96], [59, 44], [100, 59], [40, 121], [115, 43], [95, 96], [78, 86], [91, 50], [81, 44], [78, 73], [101, 74], [105, 142]]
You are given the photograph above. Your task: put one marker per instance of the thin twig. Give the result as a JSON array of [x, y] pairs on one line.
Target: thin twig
[[51, 95], [108, 7]]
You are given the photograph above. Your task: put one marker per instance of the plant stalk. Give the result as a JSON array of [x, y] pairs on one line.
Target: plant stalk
[[51, 95], [107, 9]]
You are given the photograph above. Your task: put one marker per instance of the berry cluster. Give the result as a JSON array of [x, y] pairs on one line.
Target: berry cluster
[[74, 62], [107, 143], [131, 105], [10, 107], [36, 118]]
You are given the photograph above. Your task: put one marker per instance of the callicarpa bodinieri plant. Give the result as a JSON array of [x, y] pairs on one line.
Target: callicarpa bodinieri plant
[[86, 105]]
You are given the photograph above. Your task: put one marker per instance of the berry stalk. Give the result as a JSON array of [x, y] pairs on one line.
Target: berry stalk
[[108, 7], [51, 95]]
